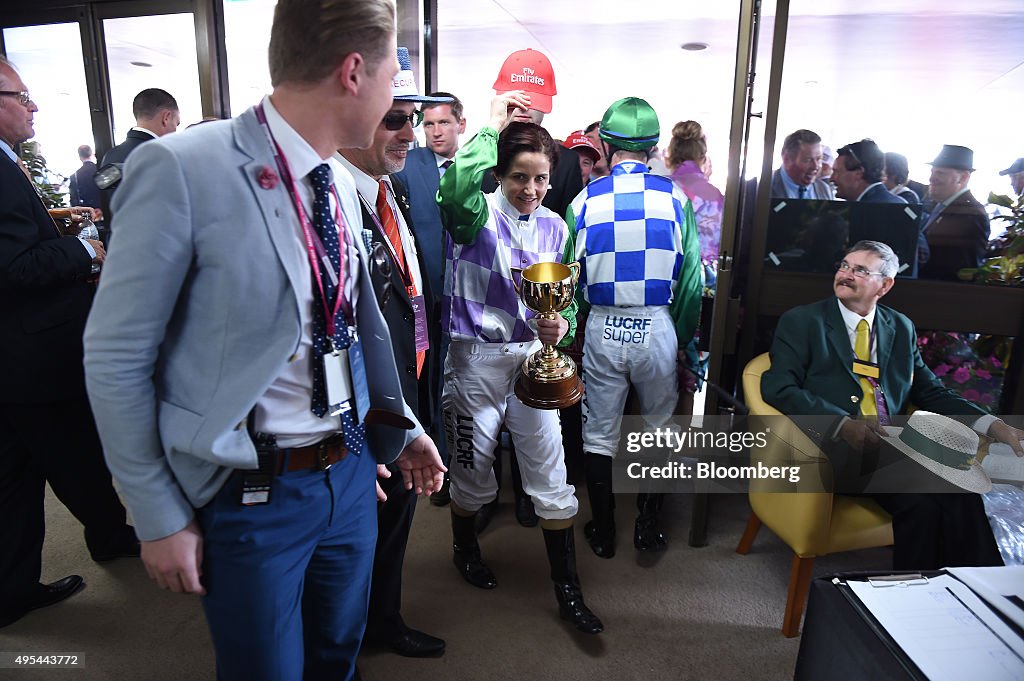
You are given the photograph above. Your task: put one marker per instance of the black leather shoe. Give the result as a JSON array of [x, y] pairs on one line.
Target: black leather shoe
[[55, 592], [443, 496], [571, 608], [473, 569], [601, 543], [123, 545], [484, 515], [413, 643], [47, 594], [526, 515]]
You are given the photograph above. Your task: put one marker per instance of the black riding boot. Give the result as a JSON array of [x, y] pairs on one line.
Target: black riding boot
[[600, 531], [646, 536], [467, 553], [561, 549]]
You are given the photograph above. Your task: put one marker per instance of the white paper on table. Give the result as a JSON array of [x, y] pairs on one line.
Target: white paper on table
[[1002, 464], [997, 586], [947, 638]]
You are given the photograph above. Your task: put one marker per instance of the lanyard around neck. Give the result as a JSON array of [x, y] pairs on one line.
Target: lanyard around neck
[[314, 246]]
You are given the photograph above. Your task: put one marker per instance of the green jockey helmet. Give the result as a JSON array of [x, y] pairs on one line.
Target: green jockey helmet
[[630, 124]]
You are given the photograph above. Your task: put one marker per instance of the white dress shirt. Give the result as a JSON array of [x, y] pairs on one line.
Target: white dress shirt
[[284, 409]]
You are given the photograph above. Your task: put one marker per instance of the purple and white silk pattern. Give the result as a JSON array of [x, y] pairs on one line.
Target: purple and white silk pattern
[[480, 302]]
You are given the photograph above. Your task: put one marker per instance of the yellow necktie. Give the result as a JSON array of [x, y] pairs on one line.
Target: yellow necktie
[[862, 348]]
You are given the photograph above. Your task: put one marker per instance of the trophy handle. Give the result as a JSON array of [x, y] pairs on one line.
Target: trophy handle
[[515, 271], [575, 268]]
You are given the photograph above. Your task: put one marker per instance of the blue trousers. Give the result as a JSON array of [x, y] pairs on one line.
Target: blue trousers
[[288, 582]]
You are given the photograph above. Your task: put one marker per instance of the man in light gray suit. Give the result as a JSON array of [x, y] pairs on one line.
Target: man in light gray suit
[[241, 373], [801, 163]]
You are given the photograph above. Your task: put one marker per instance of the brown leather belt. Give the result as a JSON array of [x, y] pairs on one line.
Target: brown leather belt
[[318, 457]]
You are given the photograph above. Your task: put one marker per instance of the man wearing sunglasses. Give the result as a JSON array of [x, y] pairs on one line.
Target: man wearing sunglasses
[[48, 434], [858, 172], [851, 359], [404, 295]]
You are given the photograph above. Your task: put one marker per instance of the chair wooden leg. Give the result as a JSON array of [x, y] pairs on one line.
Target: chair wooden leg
[[747, 540], [799, 585]]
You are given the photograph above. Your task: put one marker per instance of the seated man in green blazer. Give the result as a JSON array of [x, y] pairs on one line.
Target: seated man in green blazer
[[813, 374]]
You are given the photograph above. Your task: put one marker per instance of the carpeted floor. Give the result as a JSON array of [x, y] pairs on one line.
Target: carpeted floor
[[684, 614]]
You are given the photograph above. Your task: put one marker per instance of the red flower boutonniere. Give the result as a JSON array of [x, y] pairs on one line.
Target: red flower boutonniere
[[267, 178]]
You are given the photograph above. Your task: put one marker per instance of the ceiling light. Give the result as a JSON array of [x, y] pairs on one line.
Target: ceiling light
[[694, 47]]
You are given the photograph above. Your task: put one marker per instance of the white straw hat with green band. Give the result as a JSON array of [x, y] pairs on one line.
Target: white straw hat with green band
[[945, 447]]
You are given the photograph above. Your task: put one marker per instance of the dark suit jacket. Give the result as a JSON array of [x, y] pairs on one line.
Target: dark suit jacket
[[119, 154], [84, 191], [401, 320], [909, 195], [811, 372], [877, 193], [43, 295], [421, 178], [957, 237], [819, 189], [566, 181]]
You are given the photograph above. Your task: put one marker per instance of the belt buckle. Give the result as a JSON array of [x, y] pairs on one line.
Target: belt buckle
[[321, 457]]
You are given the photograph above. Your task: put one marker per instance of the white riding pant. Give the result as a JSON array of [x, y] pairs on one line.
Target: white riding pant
[[478, 398], [627, 346]]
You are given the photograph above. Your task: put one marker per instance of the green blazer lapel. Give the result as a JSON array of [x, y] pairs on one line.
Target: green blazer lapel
[[885, 337], [838, 336]]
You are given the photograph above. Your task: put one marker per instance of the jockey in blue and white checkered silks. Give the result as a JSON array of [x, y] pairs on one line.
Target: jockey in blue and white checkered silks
[[640, 274]]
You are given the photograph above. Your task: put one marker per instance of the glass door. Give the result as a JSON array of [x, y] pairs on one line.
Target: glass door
[[151, 52], [49, 60]]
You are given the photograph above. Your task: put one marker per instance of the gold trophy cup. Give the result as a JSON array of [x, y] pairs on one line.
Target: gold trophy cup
[[549, 379]]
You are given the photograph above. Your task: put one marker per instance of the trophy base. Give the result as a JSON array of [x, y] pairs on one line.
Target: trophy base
[[557, 394]]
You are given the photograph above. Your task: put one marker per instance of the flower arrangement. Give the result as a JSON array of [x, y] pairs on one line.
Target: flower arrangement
[[1006, 264], [971, 365]]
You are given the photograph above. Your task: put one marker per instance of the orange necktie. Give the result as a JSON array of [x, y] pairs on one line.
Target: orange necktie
[[390, 224]]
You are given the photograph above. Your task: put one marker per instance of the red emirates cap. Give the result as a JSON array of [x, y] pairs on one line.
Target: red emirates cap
[[581, 144], [531, 71]]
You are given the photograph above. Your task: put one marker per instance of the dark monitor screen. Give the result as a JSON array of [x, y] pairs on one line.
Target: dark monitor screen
[[811, 236]]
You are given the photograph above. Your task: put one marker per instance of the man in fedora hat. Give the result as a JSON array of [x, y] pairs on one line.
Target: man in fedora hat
[[957, 228], [1016, 173], [849, 358]]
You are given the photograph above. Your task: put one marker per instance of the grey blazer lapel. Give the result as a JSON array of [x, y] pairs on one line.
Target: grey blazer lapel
[[274, 203]]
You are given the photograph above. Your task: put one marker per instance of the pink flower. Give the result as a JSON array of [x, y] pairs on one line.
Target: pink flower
[[972, 395], [981, 373], [986, 398], [267, 178], [996, 363], [962, 375], [942, 369]]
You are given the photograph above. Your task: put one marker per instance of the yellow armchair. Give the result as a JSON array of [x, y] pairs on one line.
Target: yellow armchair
[[811, 521]]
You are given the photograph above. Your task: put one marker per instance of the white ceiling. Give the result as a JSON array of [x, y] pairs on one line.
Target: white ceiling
[[912, 74]]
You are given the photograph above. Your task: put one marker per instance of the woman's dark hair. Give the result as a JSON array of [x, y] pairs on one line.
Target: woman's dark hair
[[896, 167], [520, 137]]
